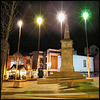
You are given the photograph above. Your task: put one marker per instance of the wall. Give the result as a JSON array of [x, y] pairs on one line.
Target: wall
[[78, 63], [49, 59], [34, 59], [59, 62]]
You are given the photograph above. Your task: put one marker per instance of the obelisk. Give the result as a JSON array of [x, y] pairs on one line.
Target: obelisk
[[67, 51]]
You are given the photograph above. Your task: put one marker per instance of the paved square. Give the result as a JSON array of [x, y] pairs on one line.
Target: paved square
[[32, 90]]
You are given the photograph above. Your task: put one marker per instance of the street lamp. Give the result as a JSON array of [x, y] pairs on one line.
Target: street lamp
[[19, 24], [39, 21], [85, 16], [61, 18]]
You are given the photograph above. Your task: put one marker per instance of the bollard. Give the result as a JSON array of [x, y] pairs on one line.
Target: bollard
[[16, 84]]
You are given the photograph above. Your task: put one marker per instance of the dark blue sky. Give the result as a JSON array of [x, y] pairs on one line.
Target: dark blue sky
[[50, 30]]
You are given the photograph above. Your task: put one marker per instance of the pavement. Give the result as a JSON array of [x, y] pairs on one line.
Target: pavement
[[32, 90]]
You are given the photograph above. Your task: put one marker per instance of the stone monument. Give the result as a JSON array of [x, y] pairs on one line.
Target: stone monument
[[67, 73], [66, 51]]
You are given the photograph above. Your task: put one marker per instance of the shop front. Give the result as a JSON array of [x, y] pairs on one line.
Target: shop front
[[21, 72]]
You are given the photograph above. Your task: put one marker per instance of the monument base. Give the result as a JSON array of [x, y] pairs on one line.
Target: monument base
[[64, 77]]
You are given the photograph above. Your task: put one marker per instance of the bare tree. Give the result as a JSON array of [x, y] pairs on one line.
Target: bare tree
[[8, 14]]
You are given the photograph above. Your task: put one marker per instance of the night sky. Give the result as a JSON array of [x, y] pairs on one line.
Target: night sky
[[50, 35]]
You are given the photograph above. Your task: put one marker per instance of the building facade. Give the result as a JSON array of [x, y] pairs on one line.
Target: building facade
[[50, 61], [24, 62]]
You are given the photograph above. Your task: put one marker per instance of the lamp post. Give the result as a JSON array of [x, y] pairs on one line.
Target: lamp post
[[39, 21], [61, 18], [85, 16], [19, 24]]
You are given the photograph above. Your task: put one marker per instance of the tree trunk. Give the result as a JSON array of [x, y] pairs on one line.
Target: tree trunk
[[5, 32], [3, 57]]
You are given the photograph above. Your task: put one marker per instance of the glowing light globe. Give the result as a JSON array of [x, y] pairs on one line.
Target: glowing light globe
[[85, 15], [39, 20]]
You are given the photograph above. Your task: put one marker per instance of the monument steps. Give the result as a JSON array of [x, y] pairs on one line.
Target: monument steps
[[62, 80], [65, 77], [59, 77], [65, 74], [72, 72]]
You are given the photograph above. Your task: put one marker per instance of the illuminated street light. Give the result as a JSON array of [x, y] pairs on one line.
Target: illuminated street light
[[85, 16], [20, 25], [39, 21], [61, 18]]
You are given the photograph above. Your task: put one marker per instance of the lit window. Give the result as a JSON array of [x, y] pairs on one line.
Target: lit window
[[84, 63]]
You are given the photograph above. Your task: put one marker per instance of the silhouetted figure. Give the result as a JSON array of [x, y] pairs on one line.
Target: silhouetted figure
[[40, 73]]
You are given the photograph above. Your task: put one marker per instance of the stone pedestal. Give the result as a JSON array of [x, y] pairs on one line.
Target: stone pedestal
[[67, 55]]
